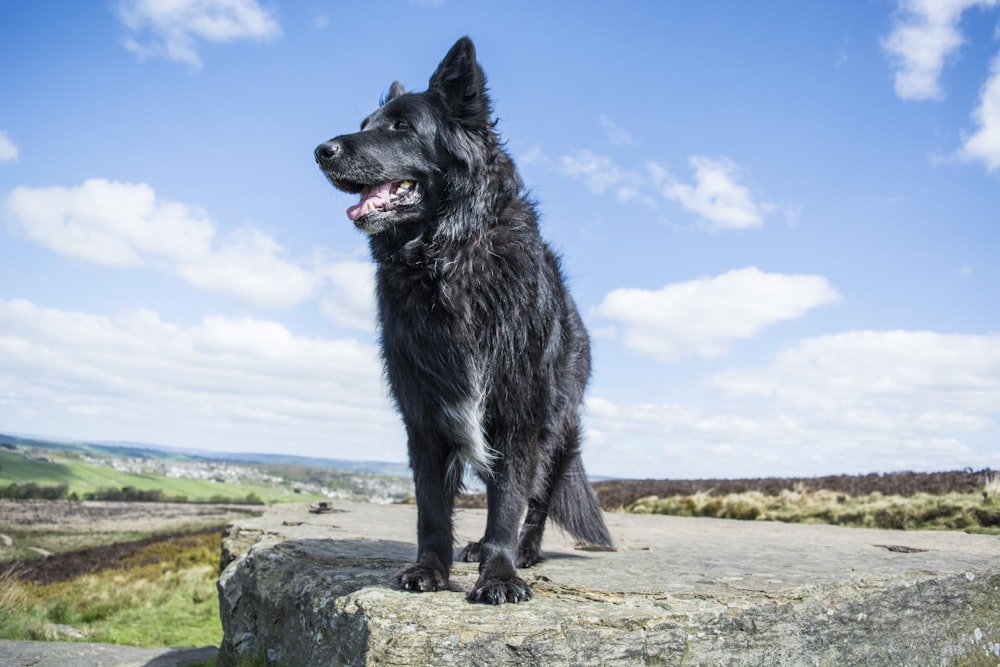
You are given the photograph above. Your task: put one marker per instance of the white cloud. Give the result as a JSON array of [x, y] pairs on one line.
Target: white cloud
[[924, 35], [600, 173], [8, 149], [234, 383], [110, 223], [910, 390], [984, 144], [352, 300], [173, 28], [122, 225], [249, 265], [682, 441], [616, 135], [597, 172], [917, 372], [704, 317], [716, 195], [859, 401], [534, 156]]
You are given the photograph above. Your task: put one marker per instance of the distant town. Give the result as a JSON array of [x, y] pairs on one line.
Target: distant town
[[298, 476], [349, 486]]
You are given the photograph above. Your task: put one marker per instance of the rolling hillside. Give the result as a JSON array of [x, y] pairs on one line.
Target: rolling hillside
[[84, 477]]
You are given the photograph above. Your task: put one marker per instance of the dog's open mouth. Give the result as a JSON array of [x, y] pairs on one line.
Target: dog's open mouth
[[383, 198]]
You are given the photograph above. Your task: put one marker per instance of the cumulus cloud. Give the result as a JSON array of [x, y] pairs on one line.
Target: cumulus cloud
[[716, 195], [351, 302], [671, 440], [704, 317], [946, 379], [911, 393], [109, 223], [924, 35], [126, 225], [239, 382], [172, 29], [858, 401], [8, 149], [984, 144]]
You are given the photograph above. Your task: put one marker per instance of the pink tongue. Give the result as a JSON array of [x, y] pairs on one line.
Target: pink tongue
[[376, 194]]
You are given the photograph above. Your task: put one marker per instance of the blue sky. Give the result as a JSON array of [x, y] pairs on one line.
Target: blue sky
[[780, 220]]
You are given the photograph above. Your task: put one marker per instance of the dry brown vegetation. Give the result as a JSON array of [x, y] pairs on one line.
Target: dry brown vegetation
[[620, 494]]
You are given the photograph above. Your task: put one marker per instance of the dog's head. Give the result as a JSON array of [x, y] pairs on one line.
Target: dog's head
[[401, 161]]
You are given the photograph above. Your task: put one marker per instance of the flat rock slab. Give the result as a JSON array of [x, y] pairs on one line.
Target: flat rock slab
[[317, 589], [71, 654]]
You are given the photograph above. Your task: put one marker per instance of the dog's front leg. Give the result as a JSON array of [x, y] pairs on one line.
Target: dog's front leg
[[435, 491], [498, 581]]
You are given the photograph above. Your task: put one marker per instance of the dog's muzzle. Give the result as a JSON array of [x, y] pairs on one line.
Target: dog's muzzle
[[327, 153]]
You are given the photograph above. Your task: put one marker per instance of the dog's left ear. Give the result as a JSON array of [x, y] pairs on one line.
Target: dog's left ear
[[461, 83], [395, 90]]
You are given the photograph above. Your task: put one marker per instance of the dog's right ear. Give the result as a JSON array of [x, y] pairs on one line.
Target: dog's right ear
[[395, 90], [460, 82]]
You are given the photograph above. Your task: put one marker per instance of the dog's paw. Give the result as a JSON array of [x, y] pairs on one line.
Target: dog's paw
[[498, 591], [423, 579], [469, 554], [528, 557]]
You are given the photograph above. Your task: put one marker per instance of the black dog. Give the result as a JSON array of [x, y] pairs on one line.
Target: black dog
[[486, 355]]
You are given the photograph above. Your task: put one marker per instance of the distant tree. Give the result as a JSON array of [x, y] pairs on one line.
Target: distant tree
[[253, 499], [33, 491], [128, 494]]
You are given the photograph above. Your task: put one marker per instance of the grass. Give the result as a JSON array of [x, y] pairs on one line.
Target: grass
[[57, 542], [164, 595], [979, 513], [82, 478]]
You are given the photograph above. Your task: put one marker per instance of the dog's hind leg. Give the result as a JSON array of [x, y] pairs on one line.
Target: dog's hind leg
[[569, 500], [529, 544], [529, 548]]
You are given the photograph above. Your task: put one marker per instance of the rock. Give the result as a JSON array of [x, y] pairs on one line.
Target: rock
[[63, 654], [68, 631], [303, 589]]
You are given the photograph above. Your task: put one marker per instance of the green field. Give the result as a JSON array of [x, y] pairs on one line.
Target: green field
[[162, 595], [83, 478]]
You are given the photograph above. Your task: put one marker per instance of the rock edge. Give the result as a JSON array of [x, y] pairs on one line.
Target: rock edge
[[305, 589]]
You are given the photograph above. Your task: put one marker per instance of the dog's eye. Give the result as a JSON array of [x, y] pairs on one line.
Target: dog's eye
[[402, 124]]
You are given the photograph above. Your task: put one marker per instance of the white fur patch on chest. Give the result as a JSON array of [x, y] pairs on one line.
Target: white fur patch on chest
[[465, 421]]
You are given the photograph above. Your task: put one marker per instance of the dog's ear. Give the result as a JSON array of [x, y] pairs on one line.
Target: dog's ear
[[395, 90], [461, 84]]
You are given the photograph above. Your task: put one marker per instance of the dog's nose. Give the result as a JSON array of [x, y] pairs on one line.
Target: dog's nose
[[327, 151]]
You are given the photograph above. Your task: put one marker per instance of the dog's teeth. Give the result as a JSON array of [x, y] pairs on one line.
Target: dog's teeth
[[404, 185], [369, 206]]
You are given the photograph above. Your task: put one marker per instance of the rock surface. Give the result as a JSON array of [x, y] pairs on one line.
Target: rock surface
[[71, 654], [303, 589]]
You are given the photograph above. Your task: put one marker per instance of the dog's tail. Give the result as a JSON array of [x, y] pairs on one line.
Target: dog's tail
[[573, 505]]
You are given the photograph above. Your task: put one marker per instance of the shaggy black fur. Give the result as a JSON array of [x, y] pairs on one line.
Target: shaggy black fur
[[486, 355]]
